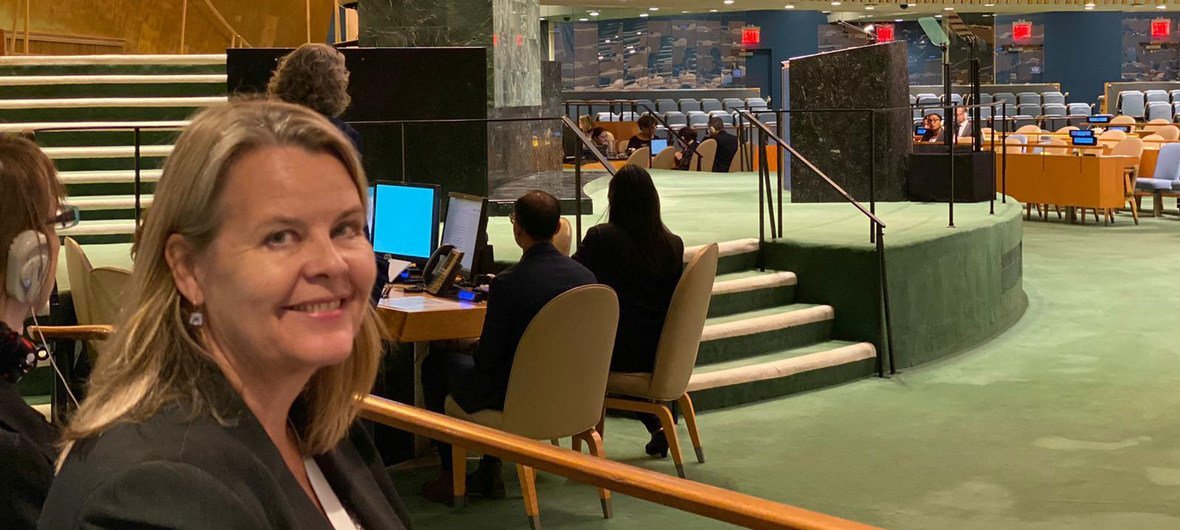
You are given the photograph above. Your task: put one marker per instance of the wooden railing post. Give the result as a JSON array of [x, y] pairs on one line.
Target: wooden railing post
[[307, 13], [27, 9], [183, 22]]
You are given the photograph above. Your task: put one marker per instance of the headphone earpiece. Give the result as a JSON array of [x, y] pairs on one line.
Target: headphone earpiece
[[28, 264]]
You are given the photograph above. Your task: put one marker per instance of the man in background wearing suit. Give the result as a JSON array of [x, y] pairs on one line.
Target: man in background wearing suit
[[963, 124], [727, 145], [480, 380]]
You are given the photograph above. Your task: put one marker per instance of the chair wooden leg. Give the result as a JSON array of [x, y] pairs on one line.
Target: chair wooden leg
[[459, 475], [1157, 204], [596, 448], [576, 444], [1135, 210], [690, 420], [1028, 212], [555, 442], [528, 489], [1095, 210], [1058, 210], [666, 423]]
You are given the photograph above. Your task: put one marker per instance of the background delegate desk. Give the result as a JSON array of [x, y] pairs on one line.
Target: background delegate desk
[[1066, 180]]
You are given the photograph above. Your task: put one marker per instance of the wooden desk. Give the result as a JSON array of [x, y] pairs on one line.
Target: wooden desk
[[595, 166], [421, 318], [1066, 180]]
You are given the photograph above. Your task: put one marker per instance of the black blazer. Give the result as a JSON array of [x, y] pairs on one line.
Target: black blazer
[[515, 296], [178, 471], [26, 459], [644, 290], [727, 146]]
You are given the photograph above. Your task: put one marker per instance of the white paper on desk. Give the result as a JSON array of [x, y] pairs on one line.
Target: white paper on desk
[[417, 303], [396, 266]]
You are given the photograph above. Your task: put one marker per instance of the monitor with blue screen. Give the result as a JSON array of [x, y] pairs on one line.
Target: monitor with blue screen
[[405, 220], [1085, 140], [466, 228], [1099, 118], [1124, 128], [369, 217], [657, 145], [1081, 133]]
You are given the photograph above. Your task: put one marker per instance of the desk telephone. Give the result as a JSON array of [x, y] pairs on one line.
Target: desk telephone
[[441, 269]]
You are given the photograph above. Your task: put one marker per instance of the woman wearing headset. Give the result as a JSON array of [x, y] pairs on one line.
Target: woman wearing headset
[[30, 213]]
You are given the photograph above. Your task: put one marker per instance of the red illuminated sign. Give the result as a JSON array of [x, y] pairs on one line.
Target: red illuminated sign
[[885, 33], [1161, 28], [1021, 30], [751, 36]]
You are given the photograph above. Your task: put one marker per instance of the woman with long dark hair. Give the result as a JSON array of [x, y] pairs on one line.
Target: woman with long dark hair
[[638, 257]]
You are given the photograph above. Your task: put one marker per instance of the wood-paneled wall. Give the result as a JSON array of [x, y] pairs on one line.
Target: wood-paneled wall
[[153, 26]]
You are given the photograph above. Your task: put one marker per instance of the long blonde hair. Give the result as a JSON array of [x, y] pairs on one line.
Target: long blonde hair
[[154, 359]]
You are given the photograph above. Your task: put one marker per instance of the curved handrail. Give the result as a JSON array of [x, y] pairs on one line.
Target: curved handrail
[[234, 36], [770, 134], [701, 499]]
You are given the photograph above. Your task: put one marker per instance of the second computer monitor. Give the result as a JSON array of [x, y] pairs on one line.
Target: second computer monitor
[[658, 145], [405, 220], [465, 228]]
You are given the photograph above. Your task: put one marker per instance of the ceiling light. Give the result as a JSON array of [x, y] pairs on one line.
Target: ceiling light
[[599, 57], [542, 18], [986, 16], [789, 6], [643, 14], [1161, 6], [836, 3], [712, 10], [989, 5], [607, 41], [727, 2], [897, 20], [870, 8], [684, 11], [1088, 8], [948, 8], [594, 13], [653, 9], [583, 19], [937, 16], [1089, 4]]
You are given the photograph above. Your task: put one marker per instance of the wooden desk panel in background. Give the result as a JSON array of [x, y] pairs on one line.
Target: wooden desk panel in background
[[1067, 180]]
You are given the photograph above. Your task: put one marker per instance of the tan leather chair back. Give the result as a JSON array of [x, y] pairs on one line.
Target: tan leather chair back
[[1054, 146], [738, 164], [1169, 132], [1112, 134], [621, 147], [108, 288], [665, 159], [563, 239], [558, 380], [707, 151], [1130, 146], [78, 271], [640, 157], [680, 339], [1122, 119], [1153, 137], [1066, 129], [1029, 129]]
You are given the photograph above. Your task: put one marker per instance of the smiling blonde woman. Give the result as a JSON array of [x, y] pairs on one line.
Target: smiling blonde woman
[[226, 397]]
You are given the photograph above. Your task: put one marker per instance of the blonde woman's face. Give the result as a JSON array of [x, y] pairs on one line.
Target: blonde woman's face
[[286, 279]]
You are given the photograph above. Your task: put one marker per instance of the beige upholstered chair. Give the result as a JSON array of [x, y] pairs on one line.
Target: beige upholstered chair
[[707, 151], [665, 159], [1015, 144], [1133, 147], [563, 239], [557, 385], [1053, 146], [738, 163], [97, 293], [1169, 132], [621, 147], [1066, 129], [1111, 137], [1153, 137], [676, 356], [1029, 129], [640, 157], [1122, 119]]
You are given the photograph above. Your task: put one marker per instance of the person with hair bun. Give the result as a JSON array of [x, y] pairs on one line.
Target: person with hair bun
[[228, 395], [31, 210], [315, 76]]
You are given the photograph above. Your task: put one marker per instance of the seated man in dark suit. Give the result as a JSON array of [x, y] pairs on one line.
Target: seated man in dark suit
[[727, 145], [480, 381]]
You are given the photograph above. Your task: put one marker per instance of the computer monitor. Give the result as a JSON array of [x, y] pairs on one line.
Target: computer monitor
[[657, 145], [405, 220], [369, 227], [466, 228], [1124, 128], [920, 131], [1085, 140], [1081, 133], [1099, 118]]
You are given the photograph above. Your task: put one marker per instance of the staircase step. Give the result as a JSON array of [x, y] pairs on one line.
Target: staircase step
[[730, 337], [111, 64], [732, 256], [108, 202], [124, 103], [780, 373], [748, 290], [108, 177], [108, 151], [60, 80], [33, 126], [109, 86], [102, 227]]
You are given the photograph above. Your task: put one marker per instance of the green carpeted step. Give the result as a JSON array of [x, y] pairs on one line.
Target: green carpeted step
[[108, 165], [112, 64], [733, 256], [105, 138], [179, 111], [780, 373], [751, 333], [102, 239], [749, 290], [66, 87]]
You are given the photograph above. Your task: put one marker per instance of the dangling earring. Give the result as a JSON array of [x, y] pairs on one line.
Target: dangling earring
[[196, 319]]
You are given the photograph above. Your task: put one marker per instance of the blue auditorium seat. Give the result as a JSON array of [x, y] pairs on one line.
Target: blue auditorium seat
[[697, 119], [711, 104], [665, 105], [1020, 120], [1175, 110], [1028, 98], [726, 117], [926, 95], [606, 116], [732, 104], [1079, 109], [756, 104], [675, 119], [642, 106], [1028, 109], [1152, 96], [1175, 95], [1055, 116], [1054, 97], [1132, 103], [689, 105], [1167, 170], [1159, 110], [957, 99]]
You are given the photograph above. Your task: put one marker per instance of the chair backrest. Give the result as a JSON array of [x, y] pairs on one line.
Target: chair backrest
[[957, 99], [563, 239], [1159, 110], [708, 151], [107, 289], [926, 95], [732, 104], [711, 104], [1156, 96], [1079, 109], [1153, 137], [985, 97], [1169, 132], [1053, 109], [726, 117], [665, 159], [675, 118], [1008, 97], [1130, 146], [640, 157], [622, 146], [558, 379], [1029, 129], [1056, 98], [667, 105], [1066, 129], [698, 119], [756, 103], [642, 106], [78, 269], [1167, 165], [680, 339], [1132, 103], [1054, 146], [1122, 120], [1175, 95], [1029, 109], [736, 164], [1112, 134], [689, 105], [1016, 140], [1028, 98]]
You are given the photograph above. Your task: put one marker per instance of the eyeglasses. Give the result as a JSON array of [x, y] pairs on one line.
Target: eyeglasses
[[68, 216]]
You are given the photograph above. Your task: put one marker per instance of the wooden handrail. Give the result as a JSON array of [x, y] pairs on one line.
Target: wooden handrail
[[701, 499], [88, 332], [234, 36]]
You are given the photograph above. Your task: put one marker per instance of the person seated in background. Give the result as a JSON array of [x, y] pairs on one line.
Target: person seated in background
[[647, 131], [603, 140], [638, 257], [586, 123], [227, 396], [686, 156], [31, 199], [315, 76], [934, 129], [727, 145], [480, 381], [963, 123]]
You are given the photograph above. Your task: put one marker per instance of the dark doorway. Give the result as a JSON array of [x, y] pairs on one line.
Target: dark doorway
[[758, 72]]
